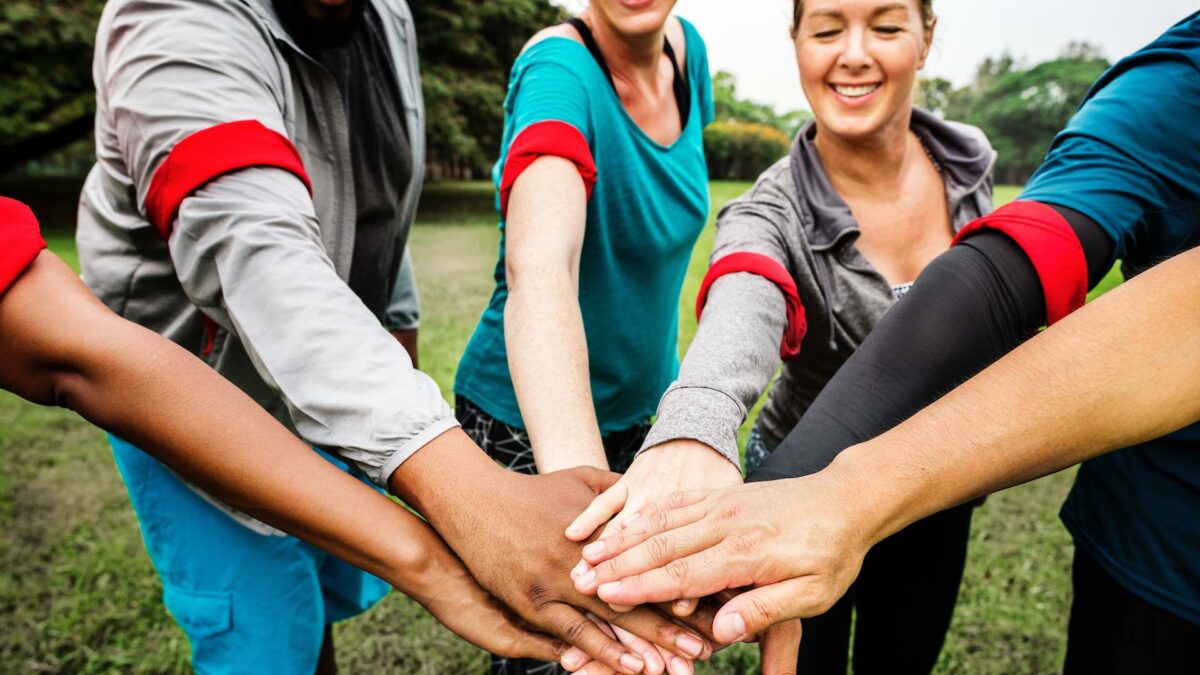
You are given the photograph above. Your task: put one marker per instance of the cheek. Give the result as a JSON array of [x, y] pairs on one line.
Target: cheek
[[814, 63], [899, 60]]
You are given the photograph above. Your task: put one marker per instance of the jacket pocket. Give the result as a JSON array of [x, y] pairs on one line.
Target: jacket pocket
[[201, 614]]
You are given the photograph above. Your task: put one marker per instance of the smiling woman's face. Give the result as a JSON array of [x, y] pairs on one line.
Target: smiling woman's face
[[858, 63]]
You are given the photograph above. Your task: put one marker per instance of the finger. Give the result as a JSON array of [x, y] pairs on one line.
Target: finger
[[780, 646], [676, 665], [596, 668], [756, 610], [701, 622], [574, 659], [658, 552], [684, 607], [600, 511], [687, 576], [527, 645], [571, 625], [655, 665], [652, 520], [661, 630]]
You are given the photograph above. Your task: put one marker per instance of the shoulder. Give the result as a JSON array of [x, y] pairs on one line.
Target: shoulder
[[207, 30], [561, 30]]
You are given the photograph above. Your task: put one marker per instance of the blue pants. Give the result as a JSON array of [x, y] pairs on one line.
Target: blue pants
[[249, 603]]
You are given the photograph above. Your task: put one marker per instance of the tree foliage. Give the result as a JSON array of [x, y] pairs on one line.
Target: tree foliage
[[742, 150], [467, 48], [1019, 108], [728, 107]]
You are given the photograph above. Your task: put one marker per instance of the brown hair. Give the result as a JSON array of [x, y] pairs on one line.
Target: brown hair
[[927, 15]]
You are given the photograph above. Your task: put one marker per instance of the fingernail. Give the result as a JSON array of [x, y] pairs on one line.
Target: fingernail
[[572, 529], [654, 663], [588, 579], [733, 624], [632, 663], [571, 660], [594, 549], [580, 569], [680, 666], [608, 588], [682, 606], [689, 644]]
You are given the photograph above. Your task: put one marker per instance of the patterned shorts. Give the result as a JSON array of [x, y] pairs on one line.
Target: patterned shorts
[[510, 447]]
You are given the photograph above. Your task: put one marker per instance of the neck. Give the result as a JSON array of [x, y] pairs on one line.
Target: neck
[[629, 57], [869, 165]]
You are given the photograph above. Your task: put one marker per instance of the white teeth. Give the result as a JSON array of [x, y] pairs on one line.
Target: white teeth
[[855, 91]]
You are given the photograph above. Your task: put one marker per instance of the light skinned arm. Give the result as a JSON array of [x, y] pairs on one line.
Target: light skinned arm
[[60, 346], [543, 325], [1133, 354]]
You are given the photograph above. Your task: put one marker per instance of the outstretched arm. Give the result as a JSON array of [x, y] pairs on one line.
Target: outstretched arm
[[1135, 354], [60, 346]]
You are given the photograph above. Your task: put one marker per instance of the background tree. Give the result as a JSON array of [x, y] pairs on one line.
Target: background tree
[[1020, 108]]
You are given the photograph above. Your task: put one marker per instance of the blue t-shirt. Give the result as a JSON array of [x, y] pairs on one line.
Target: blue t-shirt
[[646, 211], [1130, 160]]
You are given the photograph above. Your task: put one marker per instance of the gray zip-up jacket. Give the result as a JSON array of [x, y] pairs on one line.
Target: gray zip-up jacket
[[252, 250], [794, 216]]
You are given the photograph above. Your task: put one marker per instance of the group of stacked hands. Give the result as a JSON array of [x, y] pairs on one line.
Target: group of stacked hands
[[576, 565]]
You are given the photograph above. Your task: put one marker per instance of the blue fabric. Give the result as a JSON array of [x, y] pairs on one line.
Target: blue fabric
[[1130, 160], [249, 603], [647, 209]]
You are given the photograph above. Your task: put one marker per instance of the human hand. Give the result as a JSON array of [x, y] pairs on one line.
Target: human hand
[[681, 464], [509, 536], [799, 542]]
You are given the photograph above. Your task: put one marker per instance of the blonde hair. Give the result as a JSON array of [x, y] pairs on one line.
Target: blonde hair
[[927, 15]]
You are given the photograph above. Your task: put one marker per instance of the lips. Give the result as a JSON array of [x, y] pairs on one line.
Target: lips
[[855, 90]]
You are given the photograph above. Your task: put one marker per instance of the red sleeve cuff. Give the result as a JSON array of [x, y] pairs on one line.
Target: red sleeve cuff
[[20, 240], [1052, 247], [210, 153], [551, 137], [771, 270]]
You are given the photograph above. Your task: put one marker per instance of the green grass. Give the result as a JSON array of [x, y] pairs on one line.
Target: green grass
[[79, 595]]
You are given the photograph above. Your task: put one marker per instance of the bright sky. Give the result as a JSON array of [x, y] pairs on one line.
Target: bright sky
[[749, 37]]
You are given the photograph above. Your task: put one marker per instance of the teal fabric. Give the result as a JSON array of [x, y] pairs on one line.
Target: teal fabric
[[648, 207], [249, 603], [1129, 160]]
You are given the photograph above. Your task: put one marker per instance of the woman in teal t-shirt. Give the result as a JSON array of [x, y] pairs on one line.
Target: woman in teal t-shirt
[[602, 192]]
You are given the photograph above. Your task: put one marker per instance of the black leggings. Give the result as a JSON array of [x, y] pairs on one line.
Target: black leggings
[[970, 306]]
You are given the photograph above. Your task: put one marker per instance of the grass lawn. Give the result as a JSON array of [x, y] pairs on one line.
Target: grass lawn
[[78, 593]]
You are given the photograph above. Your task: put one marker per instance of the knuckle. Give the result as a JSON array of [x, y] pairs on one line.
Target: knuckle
[[576, 630], [729, 512], [676, 499], [540, 597], [658, 521], [742, 545], [660, 549], [677, 571]]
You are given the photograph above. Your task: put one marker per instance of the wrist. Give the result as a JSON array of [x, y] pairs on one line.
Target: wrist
[[875, 496], [434, 479]]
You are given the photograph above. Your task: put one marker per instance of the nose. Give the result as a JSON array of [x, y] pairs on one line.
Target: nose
[[854, 56]]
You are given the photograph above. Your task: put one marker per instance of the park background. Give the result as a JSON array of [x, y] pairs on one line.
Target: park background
[[78, 593]]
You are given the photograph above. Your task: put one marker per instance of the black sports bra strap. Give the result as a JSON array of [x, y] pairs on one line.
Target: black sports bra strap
[[683, 93], [590, 42]]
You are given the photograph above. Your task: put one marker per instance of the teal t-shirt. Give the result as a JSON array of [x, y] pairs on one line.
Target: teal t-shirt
[[646, 211], [1130, 160]]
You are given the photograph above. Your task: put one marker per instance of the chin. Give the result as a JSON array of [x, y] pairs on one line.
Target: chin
[[630, 17]]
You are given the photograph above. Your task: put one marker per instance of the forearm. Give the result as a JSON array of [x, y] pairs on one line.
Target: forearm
[[1133, 354], [146, 389], [543, 324], [728, 365]]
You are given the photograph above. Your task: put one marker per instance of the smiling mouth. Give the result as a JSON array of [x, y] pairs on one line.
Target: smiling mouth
[[855, 90]]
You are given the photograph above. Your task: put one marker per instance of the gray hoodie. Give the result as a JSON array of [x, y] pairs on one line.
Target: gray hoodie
[[794, 216]]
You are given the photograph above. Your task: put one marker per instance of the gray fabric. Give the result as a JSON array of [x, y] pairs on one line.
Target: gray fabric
[[252, 250], [794, 216]]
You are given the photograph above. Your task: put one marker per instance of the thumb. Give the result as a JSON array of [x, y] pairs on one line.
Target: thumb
[[758, 609], [599, 512], [780, 646]]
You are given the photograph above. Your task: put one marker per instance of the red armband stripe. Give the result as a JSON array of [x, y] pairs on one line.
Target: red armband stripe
[[551, 137], [771, 270], [1052, 246], [20, 240], [210, 153]]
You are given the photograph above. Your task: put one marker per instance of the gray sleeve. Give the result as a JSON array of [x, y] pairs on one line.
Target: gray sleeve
[[736, 348], [246, 246], [728, 365], [404, 307]]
